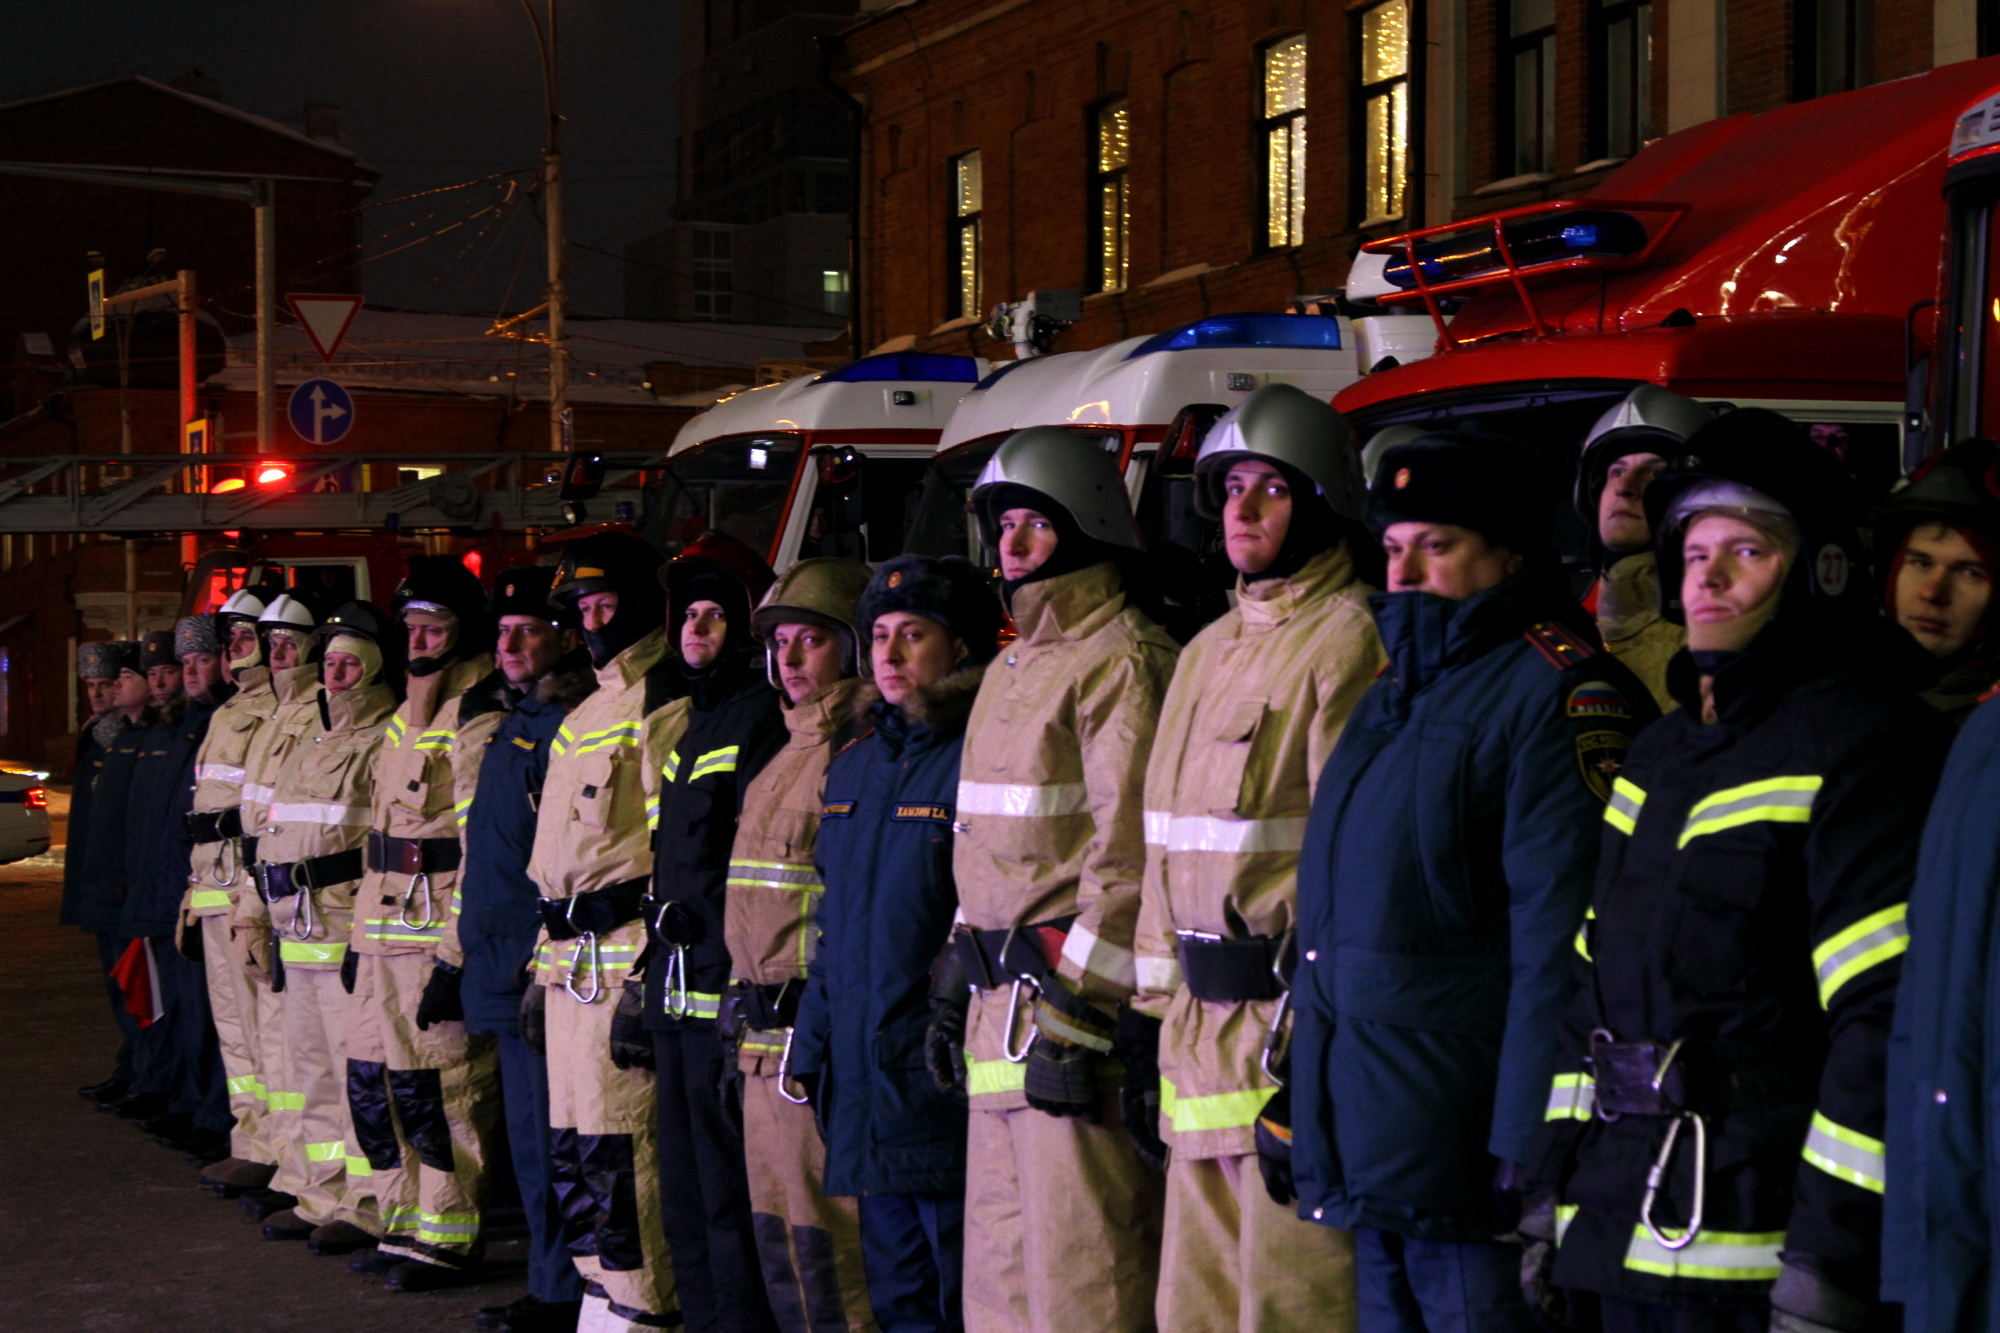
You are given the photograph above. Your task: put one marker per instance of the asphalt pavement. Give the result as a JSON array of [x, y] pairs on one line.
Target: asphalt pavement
[[101, 1228]]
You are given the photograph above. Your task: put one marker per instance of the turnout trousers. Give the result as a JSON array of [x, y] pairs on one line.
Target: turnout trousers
[[315, 1025], [1232, 1259], [704, 1195], [809, 1245], [423, 1106], [1062, 1223], [240, 1009], [605, 1171]]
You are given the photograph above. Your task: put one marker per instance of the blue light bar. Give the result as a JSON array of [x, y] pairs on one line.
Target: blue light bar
[[906, 366], [1245, 330]]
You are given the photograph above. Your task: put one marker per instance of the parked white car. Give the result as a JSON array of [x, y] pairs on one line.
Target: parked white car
[[24, 814]]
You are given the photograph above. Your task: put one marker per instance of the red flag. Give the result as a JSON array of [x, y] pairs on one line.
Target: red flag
[[140, 980]]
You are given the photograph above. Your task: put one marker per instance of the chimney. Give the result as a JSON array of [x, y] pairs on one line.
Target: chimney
[[200, 84], [323, 120]]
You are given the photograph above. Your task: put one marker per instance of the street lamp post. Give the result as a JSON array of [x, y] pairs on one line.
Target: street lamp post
[[545, 43]]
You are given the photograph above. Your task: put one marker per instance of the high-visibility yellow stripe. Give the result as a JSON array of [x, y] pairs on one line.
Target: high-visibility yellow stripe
[[1782, 800], [1583, 934], [1571, 1097], [327, 1152], [308, 951], [201, 898], [1622, 810], [437, 738], [247, 1085], [983, 1077], [1565, 1214], [1869, 942], [288, 1101], [672, 767], [1846, 1154], [1218, 1110], [1716, 1256], [360, 1166]]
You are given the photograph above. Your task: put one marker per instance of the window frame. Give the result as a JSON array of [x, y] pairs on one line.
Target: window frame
[[1604, 15], [1098, 179], [1414, 82], [962, 222], [1807, 64], [1268, 127], [1511, 47]]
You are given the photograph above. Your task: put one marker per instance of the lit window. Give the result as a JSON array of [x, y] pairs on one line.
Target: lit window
[[1285, 143], [967, 198], [1385, 92], [834, 290], [1622, 33], [1111, 259], [1530, 71]]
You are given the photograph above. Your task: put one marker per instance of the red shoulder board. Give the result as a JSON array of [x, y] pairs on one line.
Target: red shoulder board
[[1991, 690], [1563, 647]]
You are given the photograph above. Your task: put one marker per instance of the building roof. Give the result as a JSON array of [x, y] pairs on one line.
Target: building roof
[[264, 123]]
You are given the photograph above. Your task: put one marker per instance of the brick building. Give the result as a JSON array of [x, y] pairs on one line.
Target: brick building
[[1172, 161]]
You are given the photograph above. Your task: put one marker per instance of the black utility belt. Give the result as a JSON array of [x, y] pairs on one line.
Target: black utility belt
[[767, 1008], [204, 826], [598, 912], [1225, 971], [996, 958], [412, 856], [672, 922], [1655, 1078], [282, 880]]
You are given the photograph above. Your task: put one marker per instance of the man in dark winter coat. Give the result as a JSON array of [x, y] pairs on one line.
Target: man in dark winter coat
[[1447, 864], [1713, 1146], [894, 1138], [1938, 544], [734, 727], [84, 904], [543, 673]]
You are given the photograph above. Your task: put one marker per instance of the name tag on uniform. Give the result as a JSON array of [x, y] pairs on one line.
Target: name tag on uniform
[[836, 810], [940, 814]]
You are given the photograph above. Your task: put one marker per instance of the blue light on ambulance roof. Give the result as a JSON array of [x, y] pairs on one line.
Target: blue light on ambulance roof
[[906, 366], [1246, 330]]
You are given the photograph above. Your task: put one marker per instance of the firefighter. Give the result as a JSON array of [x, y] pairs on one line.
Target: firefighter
[[593, 862], [85, 904], [216, 878], [808, 1244], [420, 1091], [504, 727], [1256, 704], [1713, 1145], [1625, 450], [1447, 865], [734, 726], [1941, 537], [309, 868], [1063, 1219], [895, 1140], [282, 638]]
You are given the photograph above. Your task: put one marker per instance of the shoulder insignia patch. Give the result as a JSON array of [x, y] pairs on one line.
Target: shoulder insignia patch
[[1560, 645], [1600, 754], [936, 813], [1595, 698], [836, 810]]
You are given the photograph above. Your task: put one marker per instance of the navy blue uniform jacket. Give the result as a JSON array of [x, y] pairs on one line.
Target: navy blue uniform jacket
[[1447, 865]]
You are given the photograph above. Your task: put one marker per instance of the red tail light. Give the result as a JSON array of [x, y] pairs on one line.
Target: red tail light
[[35, 798]]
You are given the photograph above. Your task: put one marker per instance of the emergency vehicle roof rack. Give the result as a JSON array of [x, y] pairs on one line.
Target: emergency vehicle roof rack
[[1508, 269]]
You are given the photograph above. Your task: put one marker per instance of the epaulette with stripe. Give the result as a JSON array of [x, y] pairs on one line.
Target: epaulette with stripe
[[1562, 646]]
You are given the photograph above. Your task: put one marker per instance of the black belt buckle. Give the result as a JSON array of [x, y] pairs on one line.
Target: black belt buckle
[[200, 826], [672, 921], [1637, 1077], [274, 881], [1224, 971]]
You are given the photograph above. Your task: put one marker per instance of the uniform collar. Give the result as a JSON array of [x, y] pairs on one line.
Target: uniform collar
[[295, 684], [1068, 606], [430, 693], [822, 714], [253, 682], [1628, 596], [362, 706], [1426, 635], [1268, 603], [630, 666]]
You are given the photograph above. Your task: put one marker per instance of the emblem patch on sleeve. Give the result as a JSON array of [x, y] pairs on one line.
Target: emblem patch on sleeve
[[836, 810], [1600, 754], [1594, 698]]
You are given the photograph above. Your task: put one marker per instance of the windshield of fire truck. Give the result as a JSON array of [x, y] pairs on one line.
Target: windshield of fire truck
[[737, 483]]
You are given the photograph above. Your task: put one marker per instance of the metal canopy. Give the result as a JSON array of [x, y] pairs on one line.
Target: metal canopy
[[153, 493]]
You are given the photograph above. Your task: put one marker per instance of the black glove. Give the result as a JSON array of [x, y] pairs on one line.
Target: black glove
[[1071, 1034], [188, 941], [631, 1043], [1537, 1234], [1274, 1148], [1135, 1044], [441, 1002], [1510, 1189], [277, 967], [350, 968], [944, 1045], [1802, 1301], [534, 1020]]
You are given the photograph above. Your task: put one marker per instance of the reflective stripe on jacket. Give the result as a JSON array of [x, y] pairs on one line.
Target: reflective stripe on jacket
[[321, 803], [1051, 794], [292, 717], [415, 796], [220, 770], [1254, 710], [1750, 909]]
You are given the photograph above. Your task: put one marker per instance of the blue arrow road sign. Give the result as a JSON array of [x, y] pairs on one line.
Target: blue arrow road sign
[[321, 412]]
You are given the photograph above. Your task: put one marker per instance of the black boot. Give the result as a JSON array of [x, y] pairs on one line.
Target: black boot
[[204, 1147], [373, 1262], [337, 1238], [138, 1106], [288, 1225], [531, 1314], [417, 1275], [110, 1090], [260, 1204]]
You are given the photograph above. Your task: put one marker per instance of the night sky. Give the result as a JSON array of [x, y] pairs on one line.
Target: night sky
[[432, 93]]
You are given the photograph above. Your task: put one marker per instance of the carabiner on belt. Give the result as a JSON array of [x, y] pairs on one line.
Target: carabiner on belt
[[675, 984], [785, 1070], [586, 946], [226, 851], [305, 921], [1277, 1041], [430, 921], [1658, 1173]]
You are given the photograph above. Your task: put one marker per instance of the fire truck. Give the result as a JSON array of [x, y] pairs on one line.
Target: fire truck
[[1965, 399], [1744, 261]]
